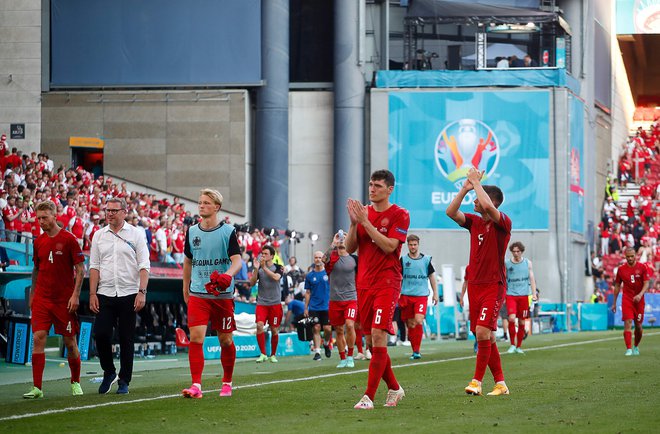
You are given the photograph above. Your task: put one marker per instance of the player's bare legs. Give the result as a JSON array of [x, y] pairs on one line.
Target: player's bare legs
[[345, 343], [316, 338]]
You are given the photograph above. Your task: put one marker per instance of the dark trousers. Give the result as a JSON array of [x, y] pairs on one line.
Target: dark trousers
[[113, 310]]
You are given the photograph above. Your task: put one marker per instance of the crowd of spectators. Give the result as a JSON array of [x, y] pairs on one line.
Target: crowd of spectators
[[80, 197], [636, 222]]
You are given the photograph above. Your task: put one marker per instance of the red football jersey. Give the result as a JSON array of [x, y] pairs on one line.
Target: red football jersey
[[633, 278], [179, 242], [55, 258], [10, 211], [377, 269], [488, 243]]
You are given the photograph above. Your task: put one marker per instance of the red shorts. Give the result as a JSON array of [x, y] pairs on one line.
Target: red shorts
[[485, 301], [271, 315], [219, 312], [518, 305], [411, 305], [631, 310], [376, 308], [340, 311], [46, 313]]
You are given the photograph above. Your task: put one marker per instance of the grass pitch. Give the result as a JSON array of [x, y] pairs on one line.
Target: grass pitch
[[575, 382]]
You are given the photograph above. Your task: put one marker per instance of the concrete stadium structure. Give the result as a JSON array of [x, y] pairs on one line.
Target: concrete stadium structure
[[182, 138]]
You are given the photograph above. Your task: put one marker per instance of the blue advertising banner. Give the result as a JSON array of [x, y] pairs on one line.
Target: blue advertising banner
[[19, 340], [84, 337], [576, 163], [247, 346], [651, 310], [434, 137]]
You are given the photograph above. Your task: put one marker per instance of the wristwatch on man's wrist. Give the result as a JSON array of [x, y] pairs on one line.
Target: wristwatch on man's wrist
[[143, 291]]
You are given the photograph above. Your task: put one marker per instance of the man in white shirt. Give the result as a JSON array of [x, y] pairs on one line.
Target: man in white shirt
[[118, 276], [609, 206], [161, 239], [50, 164]]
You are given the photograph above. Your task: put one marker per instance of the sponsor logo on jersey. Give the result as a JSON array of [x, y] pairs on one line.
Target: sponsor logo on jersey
[[208, 262], [415, 276]]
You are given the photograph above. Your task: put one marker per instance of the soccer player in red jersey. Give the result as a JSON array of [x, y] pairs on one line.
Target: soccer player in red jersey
[[489, 237], [634, 277], [377, 232], [55, 295]]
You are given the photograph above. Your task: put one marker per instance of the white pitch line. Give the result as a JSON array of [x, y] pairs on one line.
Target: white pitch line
[[295, 380]]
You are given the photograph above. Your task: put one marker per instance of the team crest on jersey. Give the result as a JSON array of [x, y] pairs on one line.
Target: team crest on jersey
[[197, 241], [384, 221], [325, 277]]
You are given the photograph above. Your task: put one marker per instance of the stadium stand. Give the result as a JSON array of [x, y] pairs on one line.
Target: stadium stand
[[631, 209]]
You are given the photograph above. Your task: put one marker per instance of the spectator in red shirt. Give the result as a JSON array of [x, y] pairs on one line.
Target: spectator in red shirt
[[77, 226], [15, 159], [178, 243], [28, 220], [11, 216]]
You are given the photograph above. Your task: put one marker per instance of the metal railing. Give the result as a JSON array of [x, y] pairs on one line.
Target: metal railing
[[21, 239]]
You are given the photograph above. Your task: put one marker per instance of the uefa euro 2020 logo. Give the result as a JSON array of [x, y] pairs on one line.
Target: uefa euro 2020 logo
[[465, 143]]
